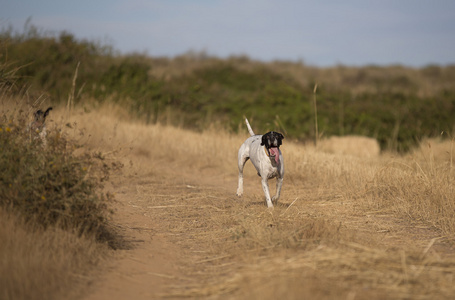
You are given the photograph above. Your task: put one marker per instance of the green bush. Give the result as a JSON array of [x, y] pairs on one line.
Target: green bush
[[47, 184]]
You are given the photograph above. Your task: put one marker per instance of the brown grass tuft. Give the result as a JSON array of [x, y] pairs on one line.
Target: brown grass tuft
[[44, 264]]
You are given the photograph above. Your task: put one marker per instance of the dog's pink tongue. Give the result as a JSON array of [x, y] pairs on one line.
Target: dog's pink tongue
[[275, 152]]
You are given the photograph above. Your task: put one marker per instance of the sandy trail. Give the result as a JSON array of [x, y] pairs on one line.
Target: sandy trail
[[143, 270], [156, 257], [164, 256]]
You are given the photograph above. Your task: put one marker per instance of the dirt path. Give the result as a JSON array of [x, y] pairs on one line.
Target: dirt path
[[147, 265], [176, 227], [155, 258], [190, 236]]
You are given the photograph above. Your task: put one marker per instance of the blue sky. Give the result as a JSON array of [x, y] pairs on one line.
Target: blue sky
[[322, 33]]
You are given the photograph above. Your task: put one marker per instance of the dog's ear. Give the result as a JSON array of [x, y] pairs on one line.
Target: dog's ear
[[279, 138], [264, 139], [47, 112]]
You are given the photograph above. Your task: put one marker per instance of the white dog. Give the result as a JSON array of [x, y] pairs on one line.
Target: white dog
[[265, 154]]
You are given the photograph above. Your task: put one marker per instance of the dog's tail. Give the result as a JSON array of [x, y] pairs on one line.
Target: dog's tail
[[249, 127]]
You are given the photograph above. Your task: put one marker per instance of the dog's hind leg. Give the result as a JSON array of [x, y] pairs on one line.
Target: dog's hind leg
[[243, 158]]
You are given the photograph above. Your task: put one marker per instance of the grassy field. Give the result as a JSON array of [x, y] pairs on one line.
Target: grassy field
[[347, 226], [144, 162]]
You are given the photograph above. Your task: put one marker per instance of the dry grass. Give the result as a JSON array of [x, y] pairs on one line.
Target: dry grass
[[420, 186], [346, 227], [359, 146], [116, 136], [51, 219], [44, 264]]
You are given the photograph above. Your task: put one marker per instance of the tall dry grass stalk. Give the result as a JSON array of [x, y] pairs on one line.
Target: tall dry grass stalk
[[70, 102], [316, 130]]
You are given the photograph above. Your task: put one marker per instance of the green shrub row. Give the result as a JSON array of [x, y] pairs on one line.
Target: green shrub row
[[382, 102]]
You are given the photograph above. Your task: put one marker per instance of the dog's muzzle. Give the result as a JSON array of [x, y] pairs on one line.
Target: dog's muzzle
[[273, 153]]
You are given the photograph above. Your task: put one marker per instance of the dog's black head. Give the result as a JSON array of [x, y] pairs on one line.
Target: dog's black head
[[40, 116], [272, 139]]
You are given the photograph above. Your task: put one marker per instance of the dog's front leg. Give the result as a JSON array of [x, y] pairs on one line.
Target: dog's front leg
[[279, 183], [265, 187]]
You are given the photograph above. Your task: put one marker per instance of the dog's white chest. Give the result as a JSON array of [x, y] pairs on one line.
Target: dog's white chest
[[264, 164]]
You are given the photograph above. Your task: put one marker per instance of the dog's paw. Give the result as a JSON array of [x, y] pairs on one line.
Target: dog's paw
[[275, 200], [239, 193], [269, 204]]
